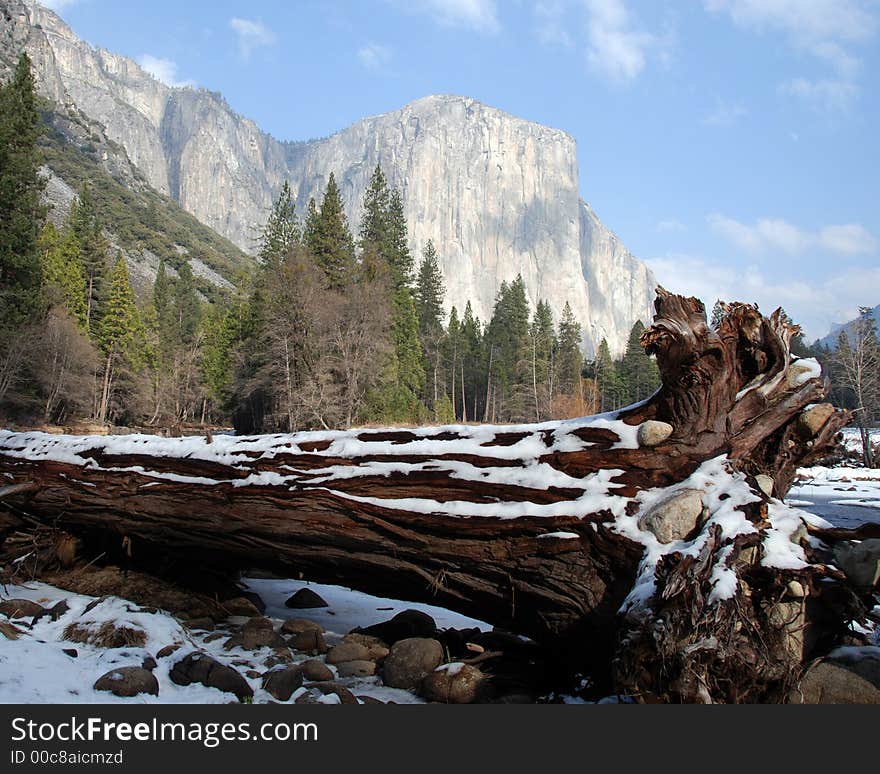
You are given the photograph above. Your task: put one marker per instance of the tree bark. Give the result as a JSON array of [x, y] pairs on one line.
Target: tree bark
[[532, 527]]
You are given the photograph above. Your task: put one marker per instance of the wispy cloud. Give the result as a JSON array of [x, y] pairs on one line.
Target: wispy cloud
[[814, 303], [252, 34], [164, 70], [479, 15], [374, 56], [617, 47], [769, 235], [671, 225], [725, 113], [826, 94], [550, 22], [828, 30]]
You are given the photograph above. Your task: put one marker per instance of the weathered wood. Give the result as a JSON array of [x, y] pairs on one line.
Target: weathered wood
[[528, 527]]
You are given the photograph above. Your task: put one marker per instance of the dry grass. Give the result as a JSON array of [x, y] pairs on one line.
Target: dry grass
[[107, 636]]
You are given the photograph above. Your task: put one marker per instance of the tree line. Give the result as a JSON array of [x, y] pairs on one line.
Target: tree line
[[329, 330]]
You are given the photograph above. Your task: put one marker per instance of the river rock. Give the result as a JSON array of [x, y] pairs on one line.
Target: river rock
[[347, 651], [829, 683], [860, 562], [300, 625], [675, 516], [316, 671], [128, 681], [653, 433], [410, 660], [376, 649], [281, 683], [765, 484], [309, 642], [407, 623], [357, 668], [241, 606], [345, 696], [453, 684], [204, 669], [305, 599]]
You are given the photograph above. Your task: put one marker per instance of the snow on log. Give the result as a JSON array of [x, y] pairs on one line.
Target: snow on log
[[651, 539]]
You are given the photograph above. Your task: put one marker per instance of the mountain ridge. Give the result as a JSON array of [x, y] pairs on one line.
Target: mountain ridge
[[498, 195]]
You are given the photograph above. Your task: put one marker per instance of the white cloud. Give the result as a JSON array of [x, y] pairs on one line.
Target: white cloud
[[616, 48], [828, 30], [374, 56], [671, 225], [815, 303], [769, 235], [831, 94], [162, 70], [725, 113], [479, 15], [850, 239], [252, 34], [551, 23]]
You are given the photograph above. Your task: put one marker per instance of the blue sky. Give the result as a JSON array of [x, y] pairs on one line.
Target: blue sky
[[731, 144]]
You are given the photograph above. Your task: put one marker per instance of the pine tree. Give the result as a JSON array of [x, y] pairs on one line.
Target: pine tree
[[604, 371], [282, 230], [332, 244], [399, 257], [310, 227], [509, 354], [83, 222], [544, 346], [121, 334], [374, 232], [430, 291], [187, 310], [21, 212], [63, 278], [569, 359], [471, 365], [638, 373]]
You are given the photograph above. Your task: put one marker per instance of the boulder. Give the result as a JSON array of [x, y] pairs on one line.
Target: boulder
[[859, 561], [675, 516], [20, 608], [316, 671], [281, 683], [410, 660], [864, 661], [453, 684], [128, 681], [376, 649], [305, 599], [309, 642], [300, 625], [241, 606], [204, 669], [653, 433], [345, 696], [830, 683], [811, 421], [765, 484], [359, 668], [406, 624], [55, 612], [347, 651]]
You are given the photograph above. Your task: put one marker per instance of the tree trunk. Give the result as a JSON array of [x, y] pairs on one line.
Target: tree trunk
[[573, 532]]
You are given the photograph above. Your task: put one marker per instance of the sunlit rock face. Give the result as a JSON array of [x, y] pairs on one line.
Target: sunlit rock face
[[499, 196]]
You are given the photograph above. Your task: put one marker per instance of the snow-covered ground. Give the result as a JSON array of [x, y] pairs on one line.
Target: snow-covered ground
[[36, 669]]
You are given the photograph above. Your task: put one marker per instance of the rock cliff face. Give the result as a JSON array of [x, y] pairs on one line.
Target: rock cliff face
[[497, 194]]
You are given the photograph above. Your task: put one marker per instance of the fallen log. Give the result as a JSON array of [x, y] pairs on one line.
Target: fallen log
[[652, 537]]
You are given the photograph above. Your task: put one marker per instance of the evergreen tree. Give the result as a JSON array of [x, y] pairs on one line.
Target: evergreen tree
[[544, 346], [332, 244], [83, 222], [21, 212], [187, 310], [603, 369], [569, 359], [638, 372], [471, 366], [509, 353], [281, 231], [399, 257], [310, 227], [63, 278], [121, 334], [374, 233], [430, 291]]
